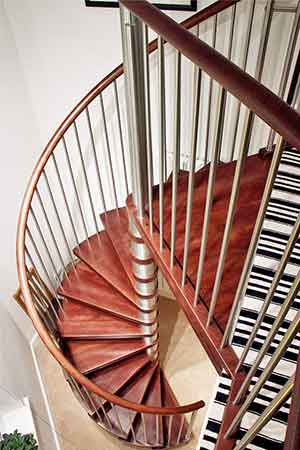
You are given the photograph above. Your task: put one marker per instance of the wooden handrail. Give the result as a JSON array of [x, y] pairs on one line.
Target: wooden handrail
[[259, 99], [197, 18]]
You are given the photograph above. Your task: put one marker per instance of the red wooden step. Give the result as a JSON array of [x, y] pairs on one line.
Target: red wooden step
[[116, 226], [150, 434], [82, 322], [175, 428], [91, 355], [117, 376], [99, 253], [135, 392], [88, 287]]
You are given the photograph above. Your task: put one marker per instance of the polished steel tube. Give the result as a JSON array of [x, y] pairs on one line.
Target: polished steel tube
[[243, 66], [88, 118], [180, 428], [162, 136], [293, 292], [274, 360], [114, 409], [170, 429], [144, 427], [210, 189], [121, 135], [287, 66], [85, 177], [58, 218], [278, 274], [231, 212], [112, 177], [254, 240], [176, 152], [148, 125], [282, 396], [75, 187], [192, 164], [40, 233], [157, 428], [210, 88], [65, 198]]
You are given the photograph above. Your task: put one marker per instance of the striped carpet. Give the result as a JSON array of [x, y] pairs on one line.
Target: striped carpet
[[283, 208]]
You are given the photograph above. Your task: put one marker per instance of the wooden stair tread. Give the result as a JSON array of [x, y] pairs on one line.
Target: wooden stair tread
[[91, 355], [88, 287], [115, 377], [135, 392], [99, 254], [251, 189], [176, 432], [153, 398], [116, 226]]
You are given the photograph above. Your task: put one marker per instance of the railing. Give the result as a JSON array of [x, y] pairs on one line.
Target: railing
[[92, 162]]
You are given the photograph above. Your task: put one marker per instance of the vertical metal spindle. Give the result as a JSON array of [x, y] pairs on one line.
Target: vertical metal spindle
[[243, 67], [268, 340], [59, 219], [144, 428], [254, 239], [85, 177], [162, 136], [157, 428], [210, 189], [180, 429], [176, 152], [282, 396], [74, 186], [132, 432], [271, 292], [148, 125], [65, 198], [287, 66], [114, 409], [210, 88], [192, 163], [121, 135], [191, 424], [95, 158], [108, 150], [170, 429]]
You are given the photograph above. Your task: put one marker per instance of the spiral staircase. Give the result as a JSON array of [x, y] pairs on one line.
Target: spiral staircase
[[96, 226]]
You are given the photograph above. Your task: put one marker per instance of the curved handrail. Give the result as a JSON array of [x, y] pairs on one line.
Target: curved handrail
[[58, 134], [268, 106]]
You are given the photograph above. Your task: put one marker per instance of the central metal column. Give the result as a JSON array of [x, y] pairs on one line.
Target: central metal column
[[143, 267]]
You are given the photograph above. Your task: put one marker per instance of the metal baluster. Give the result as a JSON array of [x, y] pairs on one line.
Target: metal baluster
[[157, 428], [180, 429], [50, 229], [191, 424], [144, 428], [45, 271], [170, 429], [65, 198], [290, 334], [176, 153], [287, 66], [148, 125], [192, 163], [75, 187], [114, 409], [37, 225], [95, 157], [121, 134], [267, 415], [96, 409], [85, 177], [108, 151], [214, 38], [46, 317], [243, 66], [278, 274], [254, 239], [210, 190], [162, 136], [293, 292], [132, 432], [59, 220]]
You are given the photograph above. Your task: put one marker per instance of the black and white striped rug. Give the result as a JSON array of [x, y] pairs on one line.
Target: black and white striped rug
[[283, 209]]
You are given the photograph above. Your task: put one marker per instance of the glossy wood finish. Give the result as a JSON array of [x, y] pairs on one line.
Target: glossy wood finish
[[86, 286], [81, 321], [259, 99], [91, 355], [251, 189]]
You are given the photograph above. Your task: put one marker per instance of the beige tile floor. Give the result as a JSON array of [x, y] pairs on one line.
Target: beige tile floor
[[186, 365]]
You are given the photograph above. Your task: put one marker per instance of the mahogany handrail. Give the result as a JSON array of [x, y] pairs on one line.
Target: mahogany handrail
[[197, 18], [258, 98]]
